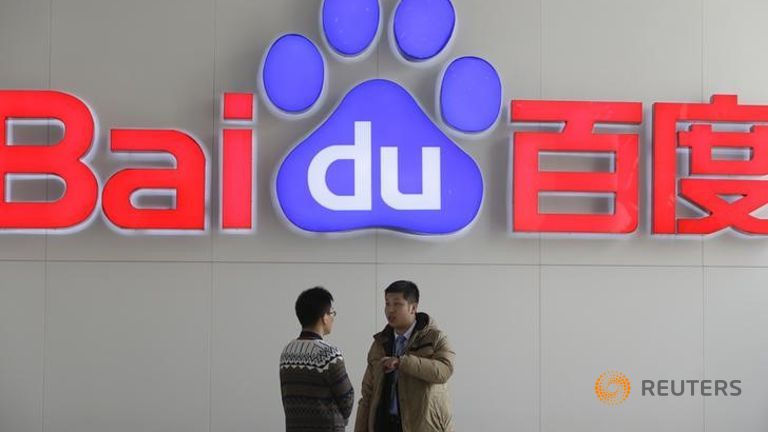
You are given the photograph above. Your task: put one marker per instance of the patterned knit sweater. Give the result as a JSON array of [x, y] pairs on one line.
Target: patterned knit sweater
[[317, 394]]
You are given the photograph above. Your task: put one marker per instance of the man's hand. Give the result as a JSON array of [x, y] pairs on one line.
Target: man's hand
[[390, 364]]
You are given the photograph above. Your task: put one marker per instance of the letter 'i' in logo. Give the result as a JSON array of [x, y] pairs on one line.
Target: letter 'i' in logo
[[379, 161], [612, 387]]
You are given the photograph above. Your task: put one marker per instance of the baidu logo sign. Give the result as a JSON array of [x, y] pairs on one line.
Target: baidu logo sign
[[379, 160]]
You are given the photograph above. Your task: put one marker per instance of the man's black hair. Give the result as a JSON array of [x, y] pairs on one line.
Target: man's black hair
[[408, 289], [312, 305]]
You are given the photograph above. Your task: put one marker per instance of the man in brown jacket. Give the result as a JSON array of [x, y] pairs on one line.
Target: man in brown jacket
[[405, 384]]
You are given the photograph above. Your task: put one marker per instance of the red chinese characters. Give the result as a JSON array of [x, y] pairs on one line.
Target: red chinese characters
[[726, 191], [577, 137]]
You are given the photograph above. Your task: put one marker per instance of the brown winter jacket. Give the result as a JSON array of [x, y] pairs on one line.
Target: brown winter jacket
[[424, 371]]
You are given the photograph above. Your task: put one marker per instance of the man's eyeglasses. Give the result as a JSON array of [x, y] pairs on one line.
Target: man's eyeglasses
[[332, 313]]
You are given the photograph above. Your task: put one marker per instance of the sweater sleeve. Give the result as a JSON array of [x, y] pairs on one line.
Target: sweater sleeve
[[341, 387]]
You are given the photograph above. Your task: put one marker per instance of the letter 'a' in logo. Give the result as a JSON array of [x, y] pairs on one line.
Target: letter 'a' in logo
[[379, 161]]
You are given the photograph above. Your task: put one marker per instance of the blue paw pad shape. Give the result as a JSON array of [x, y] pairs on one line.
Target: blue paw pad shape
[[470, 95], [350, 26], [379, 161], [293, 74], [422, 28]]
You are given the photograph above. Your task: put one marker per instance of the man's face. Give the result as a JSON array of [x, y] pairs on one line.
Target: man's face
[[400, 314], [328, 320]]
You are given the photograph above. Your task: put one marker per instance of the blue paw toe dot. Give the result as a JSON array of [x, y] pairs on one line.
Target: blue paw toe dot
[[422, 28], [293, 89], [350, 26], [470, 95]]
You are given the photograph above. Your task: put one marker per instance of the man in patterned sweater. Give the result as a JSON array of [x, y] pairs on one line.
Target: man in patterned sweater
[[317, 394]]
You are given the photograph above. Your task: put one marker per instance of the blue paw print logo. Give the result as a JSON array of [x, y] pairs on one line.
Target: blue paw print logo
[[379, 161]]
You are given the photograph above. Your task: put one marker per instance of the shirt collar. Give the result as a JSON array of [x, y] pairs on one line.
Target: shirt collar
[[306, 334], [408, 332]]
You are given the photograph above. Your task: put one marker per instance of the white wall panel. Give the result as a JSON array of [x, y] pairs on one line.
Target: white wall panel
[[734, 35], [24, 64], [127, 347], [736, 315], [643, 322], [22, 327]]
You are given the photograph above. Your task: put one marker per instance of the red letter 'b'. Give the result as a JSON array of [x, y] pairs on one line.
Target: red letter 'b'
[[62, 159], [187, 179]]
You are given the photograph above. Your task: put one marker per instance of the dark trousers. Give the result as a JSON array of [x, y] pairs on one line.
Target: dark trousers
[[392, 424]]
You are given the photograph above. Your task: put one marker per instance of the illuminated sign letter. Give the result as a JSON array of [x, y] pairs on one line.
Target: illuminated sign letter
[[236, 170], [187, 179], [577, 138], [63, 159], [360, 155], [725, 174]]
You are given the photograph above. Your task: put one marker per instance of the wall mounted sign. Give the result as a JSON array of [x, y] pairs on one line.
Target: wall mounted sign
[[380, 161]]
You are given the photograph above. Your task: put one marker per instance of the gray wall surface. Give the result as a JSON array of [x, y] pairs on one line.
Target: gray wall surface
[[104, 332]]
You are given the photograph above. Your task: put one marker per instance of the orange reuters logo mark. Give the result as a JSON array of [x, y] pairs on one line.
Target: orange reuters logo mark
[[612, 387]]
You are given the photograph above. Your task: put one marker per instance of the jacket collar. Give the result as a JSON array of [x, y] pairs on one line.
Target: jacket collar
[[387, 335]]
